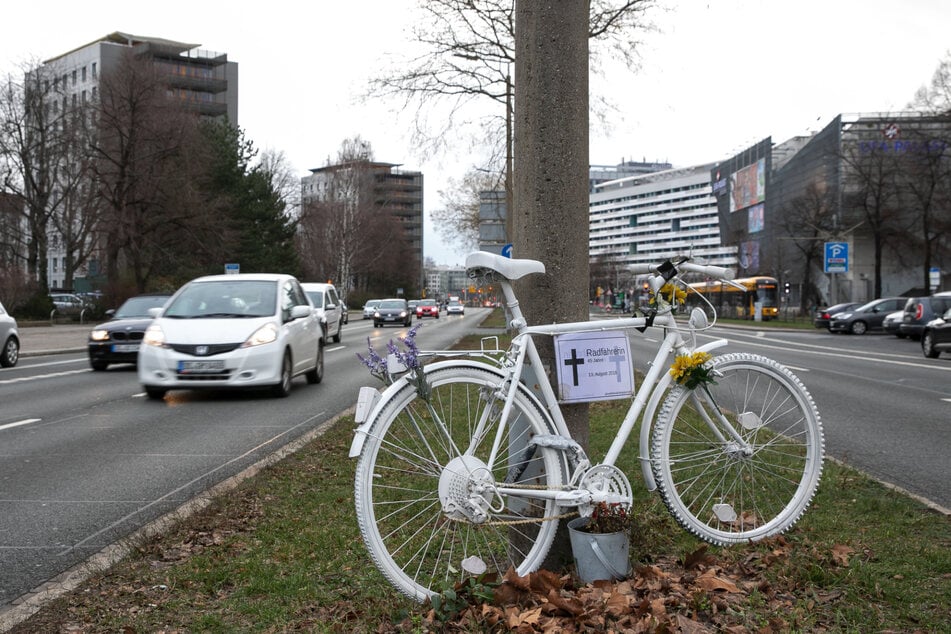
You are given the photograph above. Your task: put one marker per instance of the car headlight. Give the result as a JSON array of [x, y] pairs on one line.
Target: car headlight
[[376, 314], [263, 335], [99, 335], [403, 313], [154, 336]]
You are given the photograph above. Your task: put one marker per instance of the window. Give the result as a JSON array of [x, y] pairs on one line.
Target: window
[[84, 73], [74, 78], [55, 262], [94, 69]]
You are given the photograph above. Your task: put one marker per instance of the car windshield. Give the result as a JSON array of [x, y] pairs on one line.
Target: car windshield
[[139, 306], [427, 303], [225, 298], [316, 298], [393, 303]]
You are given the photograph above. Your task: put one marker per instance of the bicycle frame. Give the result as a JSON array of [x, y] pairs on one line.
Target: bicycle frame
[[646, 398]]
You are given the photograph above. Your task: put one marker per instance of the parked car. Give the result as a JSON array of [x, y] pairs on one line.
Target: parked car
[[392, 311], [892, 323], [455, 307], [118, 340], [67, 303], [370, 307], [824, 315], [870, 316], [248, 330], [936, 337], [9, 339], [920, 310], [427, 308], [327, 306]]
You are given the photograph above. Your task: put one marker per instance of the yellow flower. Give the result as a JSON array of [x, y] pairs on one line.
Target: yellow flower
[[689, 370], [675, 294]]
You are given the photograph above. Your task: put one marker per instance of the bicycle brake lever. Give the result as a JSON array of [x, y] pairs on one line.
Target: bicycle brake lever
[[649, 317]]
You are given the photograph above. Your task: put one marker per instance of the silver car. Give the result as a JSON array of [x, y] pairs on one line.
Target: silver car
[[327, 306], [9, 339], [249, 330]]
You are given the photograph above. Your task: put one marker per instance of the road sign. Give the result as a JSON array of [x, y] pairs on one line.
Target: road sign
[[836, 257], [232, 268], [934, 276], [507, 250]]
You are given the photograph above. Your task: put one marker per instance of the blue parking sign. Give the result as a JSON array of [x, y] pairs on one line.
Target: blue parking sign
[[836, 257]]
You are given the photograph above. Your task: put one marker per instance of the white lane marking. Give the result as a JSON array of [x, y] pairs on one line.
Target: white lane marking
[[797, 369], [851, 356], [25, 421], [43, 376]]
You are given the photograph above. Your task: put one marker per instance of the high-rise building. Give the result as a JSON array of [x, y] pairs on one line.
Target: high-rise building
[[393, 190], [647, 218], [203, 81]]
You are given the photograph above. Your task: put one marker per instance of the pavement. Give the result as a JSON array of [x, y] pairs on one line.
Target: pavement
[[50, 339]]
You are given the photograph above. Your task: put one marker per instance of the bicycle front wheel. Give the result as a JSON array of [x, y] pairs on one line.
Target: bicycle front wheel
[[426, 488], [740, 459]]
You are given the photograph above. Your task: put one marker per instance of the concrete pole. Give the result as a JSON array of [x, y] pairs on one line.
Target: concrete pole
[[551, 178]]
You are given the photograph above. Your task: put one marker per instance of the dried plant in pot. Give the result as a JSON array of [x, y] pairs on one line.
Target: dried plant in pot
[[600, 543]]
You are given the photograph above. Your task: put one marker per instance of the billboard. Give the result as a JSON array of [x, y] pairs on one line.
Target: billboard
[[748, 186]]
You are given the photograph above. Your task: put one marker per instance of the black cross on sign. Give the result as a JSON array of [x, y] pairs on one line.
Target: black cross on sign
[[574, 362]]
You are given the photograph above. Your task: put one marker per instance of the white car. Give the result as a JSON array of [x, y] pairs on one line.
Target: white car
[[455, 307], [370, 307], [9, 339], [232, 331], [327, 306]]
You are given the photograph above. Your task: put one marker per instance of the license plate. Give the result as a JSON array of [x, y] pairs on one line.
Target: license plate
[[125, 347], [200, 366]]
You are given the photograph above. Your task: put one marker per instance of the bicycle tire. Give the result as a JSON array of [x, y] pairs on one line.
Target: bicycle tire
[[718, 492], [417, 546]]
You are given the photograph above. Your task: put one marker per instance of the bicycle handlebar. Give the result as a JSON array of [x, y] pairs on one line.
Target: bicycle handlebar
[[717, 272]]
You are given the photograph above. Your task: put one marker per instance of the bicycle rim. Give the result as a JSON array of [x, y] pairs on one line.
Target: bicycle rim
[[725, 491], [420, 548]]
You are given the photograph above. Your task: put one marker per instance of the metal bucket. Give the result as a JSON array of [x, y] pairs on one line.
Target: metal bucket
[[599, 555]]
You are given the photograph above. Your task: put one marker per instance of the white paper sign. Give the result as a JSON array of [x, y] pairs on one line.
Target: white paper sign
[[594, 366]]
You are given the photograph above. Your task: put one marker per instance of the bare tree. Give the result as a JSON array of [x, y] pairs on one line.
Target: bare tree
[[457, 221], [346, 234], [923, 178], [144, 155], [34, 162], [936, 96], [871, 194], [468, 48], [810, 221]]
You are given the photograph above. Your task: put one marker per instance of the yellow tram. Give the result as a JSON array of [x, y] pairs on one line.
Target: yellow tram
[[731, 301]]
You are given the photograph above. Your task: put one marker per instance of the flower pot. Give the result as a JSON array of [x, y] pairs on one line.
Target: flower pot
[[599, 555]]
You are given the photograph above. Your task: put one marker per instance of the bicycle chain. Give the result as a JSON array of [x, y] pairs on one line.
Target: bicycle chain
[[531, 520]]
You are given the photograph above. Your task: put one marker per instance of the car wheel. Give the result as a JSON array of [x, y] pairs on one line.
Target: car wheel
[[98, 366], [377, 325], [858, 328], [283, 387], [317, 374], [927, 345], [10, 352], [155, 393], [900, 335]]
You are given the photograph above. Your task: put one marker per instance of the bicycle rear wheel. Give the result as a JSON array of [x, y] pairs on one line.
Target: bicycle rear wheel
[[422, 478], [726, 490]]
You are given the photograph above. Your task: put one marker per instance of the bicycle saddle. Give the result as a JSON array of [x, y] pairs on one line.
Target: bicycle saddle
[[506, 267]]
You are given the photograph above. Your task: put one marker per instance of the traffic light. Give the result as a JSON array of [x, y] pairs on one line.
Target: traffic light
[[786, 288]]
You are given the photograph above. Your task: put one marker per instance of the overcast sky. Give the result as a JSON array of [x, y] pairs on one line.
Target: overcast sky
[[716, 77]]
